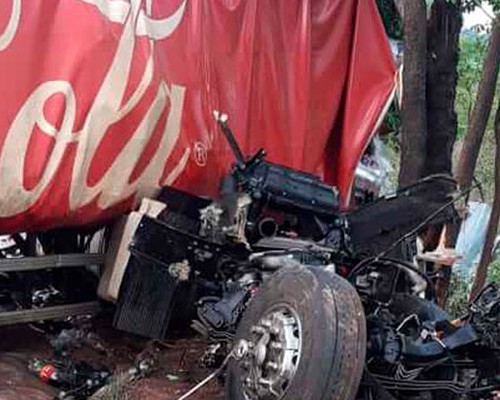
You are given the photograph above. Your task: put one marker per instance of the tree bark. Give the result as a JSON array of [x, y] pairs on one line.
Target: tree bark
[[400, 7], [413, 113], [443, 34], [482, 269], [481, 111]]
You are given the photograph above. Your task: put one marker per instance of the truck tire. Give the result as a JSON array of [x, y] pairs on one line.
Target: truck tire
[[303, 337]]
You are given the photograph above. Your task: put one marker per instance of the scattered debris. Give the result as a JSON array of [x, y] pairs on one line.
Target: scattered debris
[[180, 270], [237, 353], [116, 389], [265, 266], [77, 380]]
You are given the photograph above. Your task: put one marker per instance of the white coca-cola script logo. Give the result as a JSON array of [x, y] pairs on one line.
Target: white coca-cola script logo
[[107, 108]]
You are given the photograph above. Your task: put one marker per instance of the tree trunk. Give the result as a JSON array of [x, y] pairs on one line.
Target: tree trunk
[[413, 113], [486, 255], [443, 34], [400, 7], [481, 112], [482, 269]]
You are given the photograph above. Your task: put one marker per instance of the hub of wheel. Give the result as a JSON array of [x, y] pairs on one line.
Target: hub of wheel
[[273, 354]]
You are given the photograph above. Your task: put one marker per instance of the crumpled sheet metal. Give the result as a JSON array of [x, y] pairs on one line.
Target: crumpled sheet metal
[[104, 101]]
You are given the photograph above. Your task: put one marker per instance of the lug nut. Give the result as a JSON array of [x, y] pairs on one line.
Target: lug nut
[[276, 346], [259, 330], [263, 382], [274, 331], [272, 366], [266, 323], [241, 349]]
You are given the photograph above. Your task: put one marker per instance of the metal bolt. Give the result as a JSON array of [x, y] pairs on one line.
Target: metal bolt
[[272, 366], [241, 349], [263, 382], [259, 330], [274, 331], [276, 345], [266, 323]]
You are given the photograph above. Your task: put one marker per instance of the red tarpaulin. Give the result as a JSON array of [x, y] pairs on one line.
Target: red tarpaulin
[[104, 101]]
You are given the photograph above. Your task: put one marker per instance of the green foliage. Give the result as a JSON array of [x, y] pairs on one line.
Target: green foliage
[[458, 295], [470, 5], [472, 51], [392, 152], [495, 4], [392, 20], [494, 272], [460, 287], [392, 120], [389, 135], [485, 168], [470, 64]]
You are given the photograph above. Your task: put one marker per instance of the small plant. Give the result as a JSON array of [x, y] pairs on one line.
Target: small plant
[[460, 286], [494, 272], [458, 295]]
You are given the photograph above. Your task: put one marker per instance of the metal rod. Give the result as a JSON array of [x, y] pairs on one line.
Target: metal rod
[[52, 261], [48, 313]]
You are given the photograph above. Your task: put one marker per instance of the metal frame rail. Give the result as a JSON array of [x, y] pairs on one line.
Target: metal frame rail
[[49, 262]]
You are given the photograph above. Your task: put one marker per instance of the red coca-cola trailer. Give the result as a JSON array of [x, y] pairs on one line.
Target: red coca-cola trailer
[[105, 101], [120, 184], [237, 223]]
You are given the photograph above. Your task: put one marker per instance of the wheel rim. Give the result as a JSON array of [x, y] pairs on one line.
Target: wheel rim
[[272, 356]]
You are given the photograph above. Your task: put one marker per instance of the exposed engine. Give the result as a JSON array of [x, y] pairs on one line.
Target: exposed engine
[[202, 263], [269, 215]]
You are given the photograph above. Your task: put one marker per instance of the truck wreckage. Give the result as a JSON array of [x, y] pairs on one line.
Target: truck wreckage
[[300, 299]]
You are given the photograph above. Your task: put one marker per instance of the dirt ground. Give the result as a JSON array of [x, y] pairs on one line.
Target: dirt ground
[[177, 365]]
